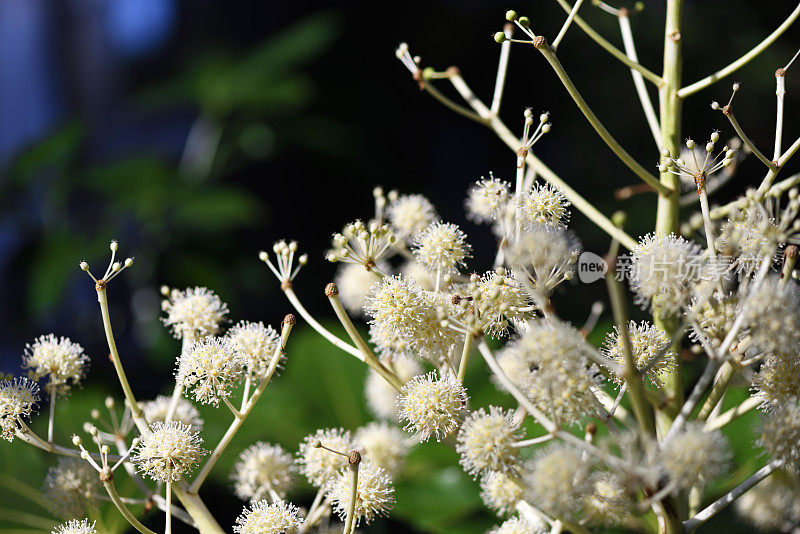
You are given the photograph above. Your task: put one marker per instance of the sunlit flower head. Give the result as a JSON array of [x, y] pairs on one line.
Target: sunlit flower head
[[487, 199], [780, 433], [441, 247], [209, 369], [262, 469], [557, 479], [374, 493], [75, 526], [501, 492], [543, 203], [58, 360], [649, 344], [772, 315], [409, 214], [318, 464], [776, 381], [19, 398], [194, 312], [431, 405], [519, 525], [608, 503], [167, 451], [549, 364], [265, 517], [255, 344], [663, 266], [486, 441], [545, 255]]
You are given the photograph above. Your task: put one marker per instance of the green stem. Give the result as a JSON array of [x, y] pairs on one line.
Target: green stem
[[332, 292], [462, 367], [763, 45], [237, 423], [667, 221], [123, 509], [667, 216], [641, 408], [718, 390], [662, 188], [351, 509], [136, 411], [613, 50]]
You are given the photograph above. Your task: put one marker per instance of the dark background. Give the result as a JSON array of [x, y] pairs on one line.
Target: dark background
[[312, 109]]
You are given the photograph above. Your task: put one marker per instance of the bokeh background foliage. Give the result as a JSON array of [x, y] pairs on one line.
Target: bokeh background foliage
[[197, 132]]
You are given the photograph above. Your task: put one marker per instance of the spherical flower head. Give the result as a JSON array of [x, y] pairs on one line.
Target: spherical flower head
[[390, 343], [209, 370], [431, 405], [384, 445], [712, 318], [501, 492], [167, 451], [545, 255], [557, 480], [353, 282], [663, 266], [780, 433], [185, 412], [59, 360], [265, 517], [772, 315], [262, 467], [18, 399], [776, 382], [255, 344], [543, 203], [441, 247], [398, 308], [499, 297], [69, 487], [772, 503], [374, 493], [487, 199], [694, 456], [647, 343], [751, 235], [318, 464], [608, 504], [381, 396], [549, 363], [519, 525], [409, 214], [486, 442], [75, 526], [194, 312]]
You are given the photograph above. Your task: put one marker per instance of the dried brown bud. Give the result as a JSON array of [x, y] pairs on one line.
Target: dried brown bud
[[331, 290], [354, 458]]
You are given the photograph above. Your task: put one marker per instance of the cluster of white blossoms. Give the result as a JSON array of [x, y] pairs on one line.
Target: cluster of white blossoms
[[584, 437], [167, 451], [19, 398], [59, 361], [193, 312]]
